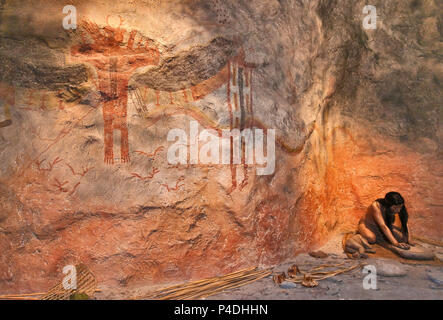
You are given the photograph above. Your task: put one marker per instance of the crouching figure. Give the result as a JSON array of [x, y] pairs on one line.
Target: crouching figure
[[377, 227]]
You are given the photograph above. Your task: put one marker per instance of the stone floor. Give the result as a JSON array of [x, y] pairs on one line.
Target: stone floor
[[394, 281]]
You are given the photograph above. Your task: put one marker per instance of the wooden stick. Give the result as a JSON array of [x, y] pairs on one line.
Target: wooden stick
[[339, 272], [328, 266]]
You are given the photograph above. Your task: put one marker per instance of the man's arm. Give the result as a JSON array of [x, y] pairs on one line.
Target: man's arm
[[378, 217], [410, 241]]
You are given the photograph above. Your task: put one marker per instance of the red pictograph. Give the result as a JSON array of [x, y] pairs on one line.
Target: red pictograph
[[85, 170], [60, 185], [150, 155], [179, 183], [149, 177], [51, 164], [114, 59]]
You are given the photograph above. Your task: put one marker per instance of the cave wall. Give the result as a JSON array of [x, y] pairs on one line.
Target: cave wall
[[356, 114]]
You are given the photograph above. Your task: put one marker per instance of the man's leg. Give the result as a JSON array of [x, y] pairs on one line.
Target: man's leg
[[367, 233], [366, 245], [398, 235]]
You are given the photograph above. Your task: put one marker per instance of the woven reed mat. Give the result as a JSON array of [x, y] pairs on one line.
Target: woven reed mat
[[86, 284]]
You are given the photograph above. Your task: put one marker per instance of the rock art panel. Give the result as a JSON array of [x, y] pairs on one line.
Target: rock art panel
[[356, 114]]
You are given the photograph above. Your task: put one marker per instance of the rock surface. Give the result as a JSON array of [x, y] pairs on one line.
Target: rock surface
[[84, 175], [436, 276], [414, 253], [388, 267]]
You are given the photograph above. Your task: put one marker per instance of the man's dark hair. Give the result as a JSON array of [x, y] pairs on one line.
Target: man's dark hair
[[394, 199]]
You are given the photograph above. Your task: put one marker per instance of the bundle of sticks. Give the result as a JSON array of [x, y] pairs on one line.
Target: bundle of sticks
[[24, 296], [207, 287], [311, 277]]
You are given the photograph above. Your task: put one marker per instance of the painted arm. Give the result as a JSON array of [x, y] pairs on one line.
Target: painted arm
[[378, 217]]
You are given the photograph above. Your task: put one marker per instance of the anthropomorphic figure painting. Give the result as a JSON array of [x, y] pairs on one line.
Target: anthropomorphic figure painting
[[235, 77], [114, 59]]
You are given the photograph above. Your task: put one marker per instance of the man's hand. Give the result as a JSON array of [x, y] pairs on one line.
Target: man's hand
[[402, 245]]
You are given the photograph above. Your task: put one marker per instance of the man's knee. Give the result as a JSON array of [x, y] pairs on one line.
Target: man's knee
[[371, 239], [368, 236]]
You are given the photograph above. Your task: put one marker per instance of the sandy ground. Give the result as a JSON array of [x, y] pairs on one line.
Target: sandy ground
[[394, 281], [414, 283]]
